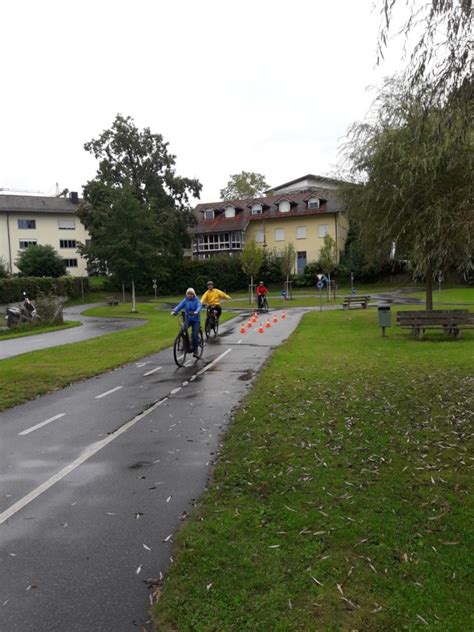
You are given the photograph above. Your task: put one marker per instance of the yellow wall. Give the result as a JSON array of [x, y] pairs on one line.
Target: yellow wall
[[311, 244], [46, 232]]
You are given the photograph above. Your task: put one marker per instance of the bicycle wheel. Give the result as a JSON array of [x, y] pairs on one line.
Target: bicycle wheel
[[180, 350], [207, 327], [200, 348], [265, 305]]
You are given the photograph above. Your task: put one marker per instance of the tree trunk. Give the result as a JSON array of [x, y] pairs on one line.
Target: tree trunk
[[134, 305], [251, 289], [429, 288]]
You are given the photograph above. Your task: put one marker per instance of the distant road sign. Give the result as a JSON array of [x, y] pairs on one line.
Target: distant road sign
[[320, 285]]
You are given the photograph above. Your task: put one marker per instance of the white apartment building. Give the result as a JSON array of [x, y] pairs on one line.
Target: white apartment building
[[26, 220]]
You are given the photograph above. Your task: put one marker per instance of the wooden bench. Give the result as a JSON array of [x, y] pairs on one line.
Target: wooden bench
[[111, 301], [354, 299], [450, 320]]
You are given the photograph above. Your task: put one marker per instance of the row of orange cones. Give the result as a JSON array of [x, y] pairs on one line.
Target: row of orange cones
[[260, 329]]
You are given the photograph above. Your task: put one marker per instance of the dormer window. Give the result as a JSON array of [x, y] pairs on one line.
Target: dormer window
[[209, 214], [256, 209], [229, 211], [284, 206], [313, 202]]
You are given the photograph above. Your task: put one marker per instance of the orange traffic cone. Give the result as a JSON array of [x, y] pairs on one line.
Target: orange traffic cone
[[249, 325], [283, 316], [275, 319], [242, 329], [267, 324], [260, 329]]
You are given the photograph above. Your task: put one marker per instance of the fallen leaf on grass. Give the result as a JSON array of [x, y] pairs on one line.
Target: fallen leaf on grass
[[316, 580], [209, 586], [421, 619]]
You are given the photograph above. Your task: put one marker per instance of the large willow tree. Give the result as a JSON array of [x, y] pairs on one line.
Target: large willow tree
[[410, 182]]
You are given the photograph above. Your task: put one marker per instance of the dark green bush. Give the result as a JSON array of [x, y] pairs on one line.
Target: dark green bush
[[11, 290]]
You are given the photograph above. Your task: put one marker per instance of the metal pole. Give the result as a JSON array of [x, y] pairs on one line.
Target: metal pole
[[320, 299], [123, 293]]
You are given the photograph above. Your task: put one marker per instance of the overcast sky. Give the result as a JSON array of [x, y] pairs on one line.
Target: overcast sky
[[255, 85]]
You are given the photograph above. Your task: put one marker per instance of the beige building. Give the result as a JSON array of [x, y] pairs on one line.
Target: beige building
[[301, 212], [26, 220]]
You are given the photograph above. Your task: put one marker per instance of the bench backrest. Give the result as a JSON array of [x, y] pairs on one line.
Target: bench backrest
[[449, 317]]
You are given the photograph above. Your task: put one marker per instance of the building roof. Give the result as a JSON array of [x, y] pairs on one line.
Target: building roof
[[299, 208], [306, 177], [36, 204]]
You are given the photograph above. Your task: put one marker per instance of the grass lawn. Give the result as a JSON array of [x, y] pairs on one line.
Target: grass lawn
[[31, 374], [28, 330], [342, 498], [461, 295]]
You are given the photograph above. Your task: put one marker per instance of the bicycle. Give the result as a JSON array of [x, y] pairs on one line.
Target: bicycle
[[262, 304], [183, 344], [212, 322]]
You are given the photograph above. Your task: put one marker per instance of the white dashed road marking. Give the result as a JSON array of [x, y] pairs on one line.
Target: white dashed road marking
[[152, 371], [40, 425], [112, 390]]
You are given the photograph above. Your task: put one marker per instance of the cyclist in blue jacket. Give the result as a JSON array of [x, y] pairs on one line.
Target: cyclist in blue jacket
[[192, 310]]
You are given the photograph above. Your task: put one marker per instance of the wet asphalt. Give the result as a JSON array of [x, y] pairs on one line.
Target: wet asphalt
[[96, 479], [91, 328]]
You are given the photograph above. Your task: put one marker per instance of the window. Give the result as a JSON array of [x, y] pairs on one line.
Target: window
[[301, 232], [279, 234], [259, 236], [26, 243], [209, 214], [26, 223], [322, 230], [66, 224], [229, 211], [313, 203], [284, 206], [236, 241], [70, 263], [67, 243], [217, 241], [256, 209]]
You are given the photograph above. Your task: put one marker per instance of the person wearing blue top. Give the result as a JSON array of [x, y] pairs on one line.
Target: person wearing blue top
[[192, 310]]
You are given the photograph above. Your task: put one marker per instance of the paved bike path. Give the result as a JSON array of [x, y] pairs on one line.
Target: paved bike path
[[95, 487], [91, 328]]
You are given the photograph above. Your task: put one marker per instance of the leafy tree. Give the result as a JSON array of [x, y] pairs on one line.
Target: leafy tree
[[287, 261], [441, 32], [410, 183], [3, 269], [246, 184], [328, 256], [41, 261], [251, 259], [137, 198]]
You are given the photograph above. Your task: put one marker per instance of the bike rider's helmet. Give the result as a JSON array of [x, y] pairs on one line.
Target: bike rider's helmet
[[261, 283], [210, 283], [190, 290]]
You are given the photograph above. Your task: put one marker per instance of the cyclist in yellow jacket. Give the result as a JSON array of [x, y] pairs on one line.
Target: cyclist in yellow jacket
[[211, 298]]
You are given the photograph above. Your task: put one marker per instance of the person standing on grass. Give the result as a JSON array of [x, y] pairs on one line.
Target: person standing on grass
[[192, 311]]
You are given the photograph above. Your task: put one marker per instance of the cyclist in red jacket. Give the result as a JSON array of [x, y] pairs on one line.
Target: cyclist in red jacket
[[261, 292]]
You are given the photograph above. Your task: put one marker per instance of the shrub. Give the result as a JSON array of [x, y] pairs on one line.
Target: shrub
[[11, 290], [50, 309], [41, 261]]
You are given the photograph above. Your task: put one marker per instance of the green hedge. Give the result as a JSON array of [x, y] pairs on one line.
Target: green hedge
[[11, 290]]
